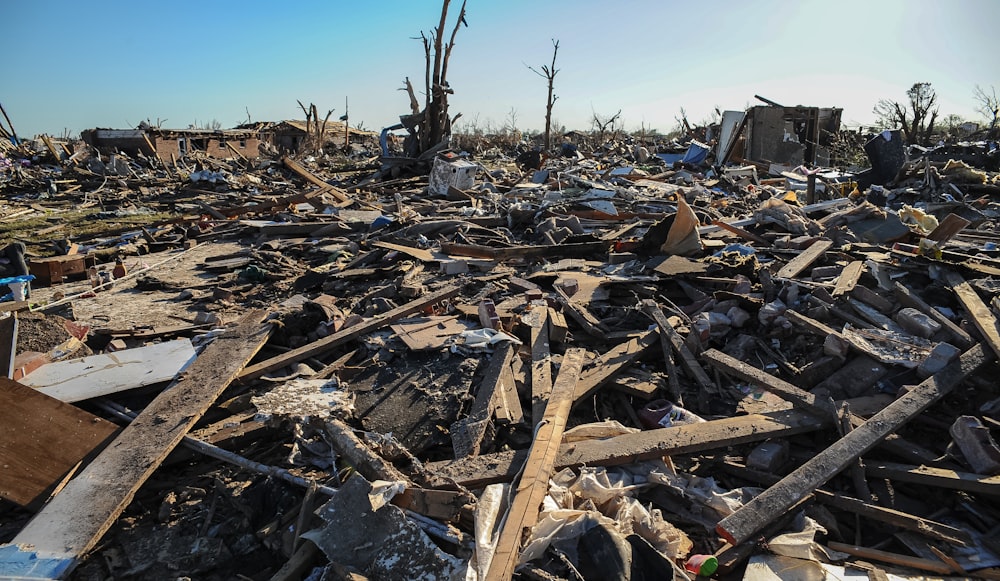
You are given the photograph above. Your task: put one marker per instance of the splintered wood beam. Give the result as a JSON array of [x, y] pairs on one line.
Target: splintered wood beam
[[930, 528], [639, 446], [824, 407], [688, 360], [805, 259], [942, 478], [344, 335], [977, 309], [468, 433], [849, 278], [72, 523], [541, 367], [908, 298], [307, 175], [946, 230], [581, 315], [753, 516], [742, 233], [673, 382], [893, 558], [534, 482], [611, 363], [903, 520]]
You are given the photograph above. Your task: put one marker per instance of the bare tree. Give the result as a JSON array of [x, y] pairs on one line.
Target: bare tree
[[917, 121], [315, 129], [988, 105], [432, 126], [602, 124], [548, 72]]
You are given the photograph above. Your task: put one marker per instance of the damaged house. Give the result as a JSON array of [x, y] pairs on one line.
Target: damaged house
[[290, 134], [167, 143], [786, 136]]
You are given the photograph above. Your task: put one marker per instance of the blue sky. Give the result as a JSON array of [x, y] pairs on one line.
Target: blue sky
[[74, 65]]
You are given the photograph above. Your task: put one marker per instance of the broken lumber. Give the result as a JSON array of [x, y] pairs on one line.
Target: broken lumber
[[640, 446], [824, 407], [305, 174], [534, 482], [467, 433], [344, 335], [893, 558], [930, 528], [981, 315], [55, 540], [611, 363], [939, 477], [849, 278], [753, 516], [541, 367], [688, 360], [805, 259], [908, 298]]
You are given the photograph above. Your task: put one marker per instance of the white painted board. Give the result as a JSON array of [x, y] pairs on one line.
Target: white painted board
[[107, 373]]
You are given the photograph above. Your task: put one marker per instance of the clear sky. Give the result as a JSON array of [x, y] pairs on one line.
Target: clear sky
[[110, 63]]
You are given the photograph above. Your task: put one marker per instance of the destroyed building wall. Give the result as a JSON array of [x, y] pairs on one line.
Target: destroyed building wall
[[167, 143], [180, 142], [791, 135], [290, 135]]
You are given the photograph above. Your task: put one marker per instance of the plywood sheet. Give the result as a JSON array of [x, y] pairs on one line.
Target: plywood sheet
[[41, 439], [107, 373]]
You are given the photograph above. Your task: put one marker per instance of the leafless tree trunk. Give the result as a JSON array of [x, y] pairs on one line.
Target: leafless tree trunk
[[601, 125], [315, 129], [548, 72], [433, 125], [989, 106], [917, 122]]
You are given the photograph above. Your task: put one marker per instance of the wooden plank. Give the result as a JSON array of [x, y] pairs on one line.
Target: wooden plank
[[977, 309], [418, 253], [742, 233], [344, 335], [467, 433], [673, 382], [951, 225], [688, 360], [581, 315], [849, 278], [746, 521], [549, 251], [894, 517], [640, 446], [108, 373], [868, 510], [534, 483], [908, 298], [940, 477], [824, 407], [305, 174], [541, 366], [8, 345], [894, 558], [41, 440], [805, 259], [73, 522], [611, 363]]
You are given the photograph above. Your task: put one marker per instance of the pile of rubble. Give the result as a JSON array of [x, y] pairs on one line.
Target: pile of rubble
[[629, 364]]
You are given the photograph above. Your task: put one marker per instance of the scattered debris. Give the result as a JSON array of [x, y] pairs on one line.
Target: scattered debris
[[621, 362]]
